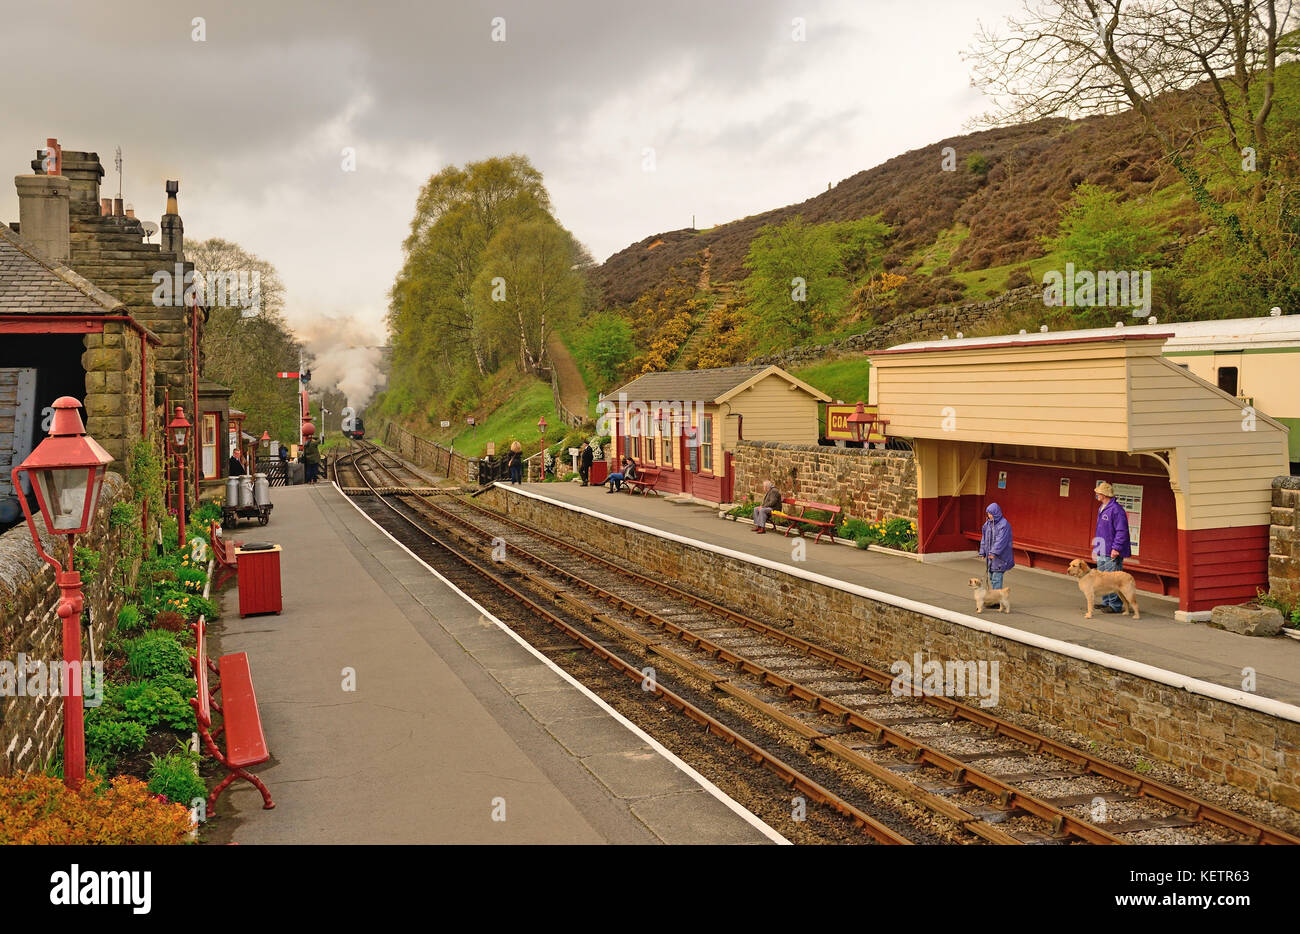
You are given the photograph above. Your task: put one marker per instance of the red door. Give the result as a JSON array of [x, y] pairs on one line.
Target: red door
[[689, 457]]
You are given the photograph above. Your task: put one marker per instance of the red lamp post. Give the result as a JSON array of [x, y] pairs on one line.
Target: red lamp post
[[541, 449], [179, 427], [67, 473]]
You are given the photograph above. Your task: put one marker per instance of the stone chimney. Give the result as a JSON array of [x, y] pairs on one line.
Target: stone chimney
[[81, 169], [173, 231], [43, 214]]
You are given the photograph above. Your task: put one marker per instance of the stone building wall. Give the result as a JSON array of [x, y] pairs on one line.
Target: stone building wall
[[1208, 738], [113, 391], [866, 484], [1284, 541], [31, 728]]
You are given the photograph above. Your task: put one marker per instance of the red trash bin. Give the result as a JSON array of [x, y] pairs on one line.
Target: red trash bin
[[259, 579]]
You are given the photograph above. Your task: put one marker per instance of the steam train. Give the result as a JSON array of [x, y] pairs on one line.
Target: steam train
[[358, 431]]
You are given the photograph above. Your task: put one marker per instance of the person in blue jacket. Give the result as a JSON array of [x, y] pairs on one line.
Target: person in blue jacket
[[995, 545], [1111, 545]]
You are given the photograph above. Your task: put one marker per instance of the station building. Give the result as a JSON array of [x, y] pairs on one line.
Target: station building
[[687, 423], [1034, 422]]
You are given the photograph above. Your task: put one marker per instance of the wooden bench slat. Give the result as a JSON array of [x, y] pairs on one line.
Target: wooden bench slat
[[245, 741]]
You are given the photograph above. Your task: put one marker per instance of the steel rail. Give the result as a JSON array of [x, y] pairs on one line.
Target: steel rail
[[1196, 809], [789, 775]]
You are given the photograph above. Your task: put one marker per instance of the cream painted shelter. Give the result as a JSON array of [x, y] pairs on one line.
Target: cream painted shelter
[[686, 423], [1034, 425]]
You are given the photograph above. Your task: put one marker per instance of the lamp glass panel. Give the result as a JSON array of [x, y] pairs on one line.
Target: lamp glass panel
[[64, 491], [178, 438]]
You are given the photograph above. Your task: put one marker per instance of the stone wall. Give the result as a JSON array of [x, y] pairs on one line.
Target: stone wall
[[113, 391], [1208, 738], [866, 484], [967, 318], [31, 728], [429, 454], [1284, 541]]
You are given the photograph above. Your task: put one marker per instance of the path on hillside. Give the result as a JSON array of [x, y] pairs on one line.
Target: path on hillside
[[573, 391]]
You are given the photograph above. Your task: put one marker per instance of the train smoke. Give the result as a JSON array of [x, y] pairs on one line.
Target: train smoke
[[342, 354]]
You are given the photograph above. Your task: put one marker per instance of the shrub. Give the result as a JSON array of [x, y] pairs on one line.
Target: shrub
[[174, 777], [164, 700], [40, 809], [745, 510], [154, 653], [129, 619], [172, 622], [109, 733]]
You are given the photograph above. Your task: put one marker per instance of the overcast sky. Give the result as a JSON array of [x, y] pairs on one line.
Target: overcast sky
[[254, 120]]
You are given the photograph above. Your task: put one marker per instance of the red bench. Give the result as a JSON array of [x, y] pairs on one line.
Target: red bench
[[796, 520], [646, 478], [241, 721], [224, 552]]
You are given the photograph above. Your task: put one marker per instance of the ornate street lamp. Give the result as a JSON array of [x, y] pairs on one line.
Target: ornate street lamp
[[67, 473], [179, 429]]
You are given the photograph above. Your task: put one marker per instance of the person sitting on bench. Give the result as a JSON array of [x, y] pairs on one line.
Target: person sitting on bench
[[626, 471], [763, 511]]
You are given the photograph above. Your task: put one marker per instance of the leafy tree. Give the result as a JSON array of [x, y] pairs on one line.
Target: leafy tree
[[1099, 231], [246, 353], [606, 343]]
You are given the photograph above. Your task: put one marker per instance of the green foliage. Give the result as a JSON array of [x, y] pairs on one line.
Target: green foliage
[[145, 474], [201, 519], [155, 653], [1098, 230], [743, 510], [123, 515], [87, 561], [977, 164], [160, 700], [129, 619], [799, 275], [606, 345], [109, 733], [896, 533], [174, 776]]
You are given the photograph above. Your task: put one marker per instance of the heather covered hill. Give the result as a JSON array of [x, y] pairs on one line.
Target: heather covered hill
[[1007, 187]]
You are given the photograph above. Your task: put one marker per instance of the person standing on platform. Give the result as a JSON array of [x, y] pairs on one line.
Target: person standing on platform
[[1111, 545], [515, 461], [585, 458], [311, 457], [995, 545], [236, 466], [763, 511]]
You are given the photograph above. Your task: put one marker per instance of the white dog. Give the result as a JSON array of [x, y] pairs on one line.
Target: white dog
[[1001, 596]]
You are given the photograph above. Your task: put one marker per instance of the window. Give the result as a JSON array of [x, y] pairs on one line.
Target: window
[[668, 449], [636, 448], [209, 444], [706, 442], [1228, 379]]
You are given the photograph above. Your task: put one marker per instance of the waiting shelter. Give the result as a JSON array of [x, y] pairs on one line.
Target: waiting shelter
[[685, 424], [1035, 424]]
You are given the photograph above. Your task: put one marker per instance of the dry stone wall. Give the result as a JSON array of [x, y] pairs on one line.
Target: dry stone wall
[[1208, 738], [31, 728], [429, 454], [866, 484]]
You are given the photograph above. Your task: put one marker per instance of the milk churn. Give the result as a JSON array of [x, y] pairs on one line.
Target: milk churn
[[261, 489], [245, 490], [232, 491]]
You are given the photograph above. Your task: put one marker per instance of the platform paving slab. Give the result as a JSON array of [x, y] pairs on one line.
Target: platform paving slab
[[437, 728], [1043, 602]]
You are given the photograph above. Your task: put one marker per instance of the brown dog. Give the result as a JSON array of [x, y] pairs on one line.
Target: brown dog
[[1001, 596], [1093, 582]]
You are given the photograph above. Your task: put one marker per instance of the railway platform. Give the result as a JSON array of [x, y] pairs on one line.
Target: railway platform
[[1044, 603], [398, 712]]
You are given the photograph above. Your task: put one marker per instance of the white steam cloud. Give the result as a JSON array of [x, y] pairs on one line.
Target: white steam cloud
[[343, 355]]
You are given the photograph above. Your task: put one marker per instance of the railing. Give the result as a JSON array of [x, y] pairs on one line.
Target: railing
[[567, 416]]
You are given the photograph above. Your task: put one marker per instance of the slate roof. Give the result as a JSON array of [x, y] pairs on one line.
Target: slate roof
[[30, 285], [689, 385]]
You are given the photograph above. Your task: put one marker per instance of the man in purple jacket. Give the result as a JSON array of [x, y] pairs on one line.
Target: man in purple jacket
[[996, 547], [1111, 545]]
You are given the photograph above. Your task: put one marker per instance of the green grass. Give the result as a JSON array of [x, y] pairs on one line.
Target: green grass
[[936, 254], [847, 378], [529, 398]]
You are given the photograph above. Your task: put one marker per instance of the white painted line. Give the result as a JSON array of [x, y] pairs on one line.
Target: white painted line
[[734, 806], [1265, 705]]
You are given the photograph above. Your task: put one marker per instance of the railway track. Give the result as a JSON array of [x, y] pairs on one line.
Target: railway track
[[989, 779]]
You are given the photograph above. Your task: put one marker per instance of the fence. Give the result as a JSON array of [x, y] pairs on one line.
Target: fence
[[568, 417], [443, 461]]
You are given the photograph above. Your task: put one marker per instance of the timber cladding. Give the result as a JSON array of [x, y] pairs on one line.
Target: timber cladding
[[1208, 738]]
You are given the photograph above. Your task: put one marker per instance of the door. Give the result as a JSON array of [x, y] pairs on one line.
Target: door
[[17, 419]]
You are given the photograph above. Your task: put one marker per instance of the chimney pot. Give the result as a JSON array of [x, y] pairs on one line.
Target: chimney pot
[[105, 207]]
